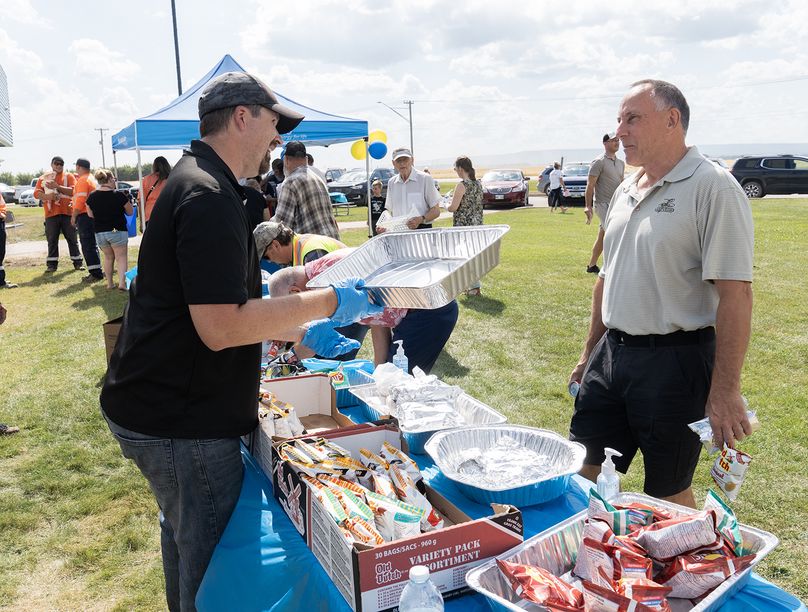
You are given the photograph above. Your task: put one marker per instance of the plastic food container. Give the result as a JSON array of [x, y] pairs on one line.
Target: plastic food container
[[449, 448], [556, 550]]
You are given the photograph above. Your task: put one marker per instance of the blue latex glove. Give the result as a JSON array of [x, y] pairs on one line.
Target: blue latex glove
[[323, 339], [353, 302]]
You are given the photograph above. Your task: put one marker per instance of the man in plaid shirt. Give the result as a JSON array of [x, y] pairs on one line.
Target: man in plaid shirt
[[304, 203]]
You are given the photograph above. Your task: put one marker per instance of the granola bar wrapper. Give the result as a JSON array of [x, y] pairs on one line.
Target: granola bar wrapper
[[646, 592], [398, 456], [598, 598], [394, 519], [729, 471], [694, 575], [538, 585], [408, 493], [668, 539], [725, 522]]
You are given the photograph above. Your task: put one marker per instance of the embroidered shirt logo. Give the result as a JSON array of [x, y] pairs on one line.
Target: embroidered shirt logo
[[666, 206]]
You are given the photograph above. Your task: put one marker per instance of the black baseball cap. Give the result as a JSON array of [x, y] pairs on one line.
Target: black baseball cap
[[58, 159], [237, 88], [84, 163]]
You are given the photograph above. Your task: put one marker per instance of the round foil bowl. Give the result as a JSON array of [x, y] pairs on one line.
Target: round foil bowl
[[562, 458]]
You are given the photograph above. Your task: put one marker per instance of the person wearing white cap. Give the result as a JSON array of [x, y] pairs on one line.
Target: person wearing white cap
[[411, 193], [605, 175], [181, 385]]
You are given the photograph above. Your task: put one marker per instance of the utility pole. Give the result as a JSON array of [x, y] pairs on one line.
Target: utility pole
[[176, 48], [409, 103], [101, 142]]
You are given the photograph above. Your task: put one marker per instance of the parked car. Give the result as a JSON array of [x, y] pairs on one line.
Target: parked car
[[505, 187], [27, 198], [354, 184], [775, 174], [332, 174], [9, 194], [575, 176], [543, 180], [129, 189]]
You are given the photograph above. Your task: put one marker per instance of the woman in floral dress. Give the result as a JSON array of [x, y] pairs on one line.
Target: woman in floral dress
[[467, 202]]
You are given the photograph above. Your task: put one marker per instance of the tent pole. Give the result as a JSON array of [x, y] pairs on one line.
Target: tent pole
[[140, 212], [115, 161], [367, 171]]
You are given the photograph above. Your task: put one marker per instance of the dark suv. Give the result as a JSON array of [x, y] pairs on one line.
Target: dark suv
[[776, 174]]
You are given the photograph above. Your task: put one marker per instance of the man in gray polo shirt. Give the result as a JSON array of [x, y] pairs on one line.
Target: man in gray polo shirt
[[605, 175], [672, 307]]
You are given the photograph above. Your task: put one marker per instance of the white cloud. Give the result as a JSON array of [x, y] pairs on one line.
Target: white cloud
[[22, 11], [94, 59]]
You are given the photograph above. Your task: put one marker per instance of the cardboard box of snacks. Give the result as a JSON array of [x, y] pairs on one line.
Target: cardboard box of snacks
[[371, 578]]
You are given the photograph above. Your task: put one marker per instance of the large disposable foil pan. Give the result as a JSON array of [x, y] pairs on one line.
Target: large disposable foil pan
[[447, 449], [420, 269], [355, 378], [556, 550], [473, 411]]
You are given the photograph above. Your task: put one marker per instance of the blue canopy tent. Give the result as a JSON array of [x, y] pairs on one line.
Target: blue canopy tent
[[177, 123]]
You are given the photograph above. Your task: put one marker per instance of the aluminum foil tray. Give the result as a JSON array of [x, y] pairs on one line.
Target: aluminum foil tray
[[473, 411], [556, 550], [446, 449], [420, 269]]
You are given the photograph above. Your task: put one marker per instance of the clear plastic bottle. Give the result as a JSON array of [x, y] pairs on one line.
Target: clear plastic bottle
[[400, 359], [608, 480], [420, 595]]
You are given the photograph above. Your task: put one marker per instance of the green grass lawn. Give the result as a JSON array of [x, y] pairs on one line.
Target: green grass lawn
[[78, 525], [32, 224]]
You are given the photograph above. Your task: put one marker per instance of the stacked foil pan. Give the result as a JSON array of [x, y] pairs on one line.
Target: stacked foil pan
[[562, 458], [473, 411], [420, 269], [556, 550]]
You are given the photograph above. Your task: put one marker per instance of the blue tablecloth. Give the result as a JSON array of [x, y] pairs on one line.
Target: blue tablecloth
[[262, 563]]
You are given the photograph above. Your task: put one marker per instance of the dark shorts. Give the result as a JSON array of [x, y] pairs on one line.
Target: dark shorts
[[642, 397]]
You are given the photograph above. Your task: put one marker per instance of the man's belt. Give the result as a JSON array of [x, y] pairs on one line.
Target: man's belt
[[677, 338]]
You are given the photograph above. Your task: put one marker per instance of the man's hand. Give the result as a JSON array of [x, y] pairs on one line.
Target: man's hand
[[727, 412], [49, 197], [353, 302], [380, 229], [588, 213], [50, 184], [323, 339], [414, 222], [577, 373]]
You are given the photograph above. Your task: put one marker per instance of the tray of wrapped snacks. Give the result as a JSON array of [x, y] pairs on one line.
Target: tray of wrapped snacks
[[423, 269], [424, 406], [506, 464], [631, 552]]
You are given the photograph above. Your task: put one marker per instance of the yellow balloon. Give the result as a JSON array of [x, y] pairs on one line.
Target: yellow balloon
[[377, 136], [359, 150]]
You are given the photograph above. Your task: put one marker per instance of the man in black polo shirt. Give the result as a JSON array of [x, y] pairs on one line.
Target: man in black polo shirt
[[183, 380]]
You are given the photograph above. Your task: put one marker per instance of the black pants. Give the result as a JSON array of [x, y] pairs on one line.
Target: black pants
[[55, 225], [555, 198], [89, 248], [2, 251], [425, 333]]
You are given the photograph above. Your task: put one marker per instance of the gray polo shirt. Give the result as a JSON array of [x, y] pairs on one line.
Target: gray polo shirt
[[661, 250], [413, 197], [608, 174]]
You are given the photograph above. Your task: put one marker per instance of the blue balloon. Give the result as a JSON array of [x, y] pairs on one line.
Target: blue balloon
[[377, 149]]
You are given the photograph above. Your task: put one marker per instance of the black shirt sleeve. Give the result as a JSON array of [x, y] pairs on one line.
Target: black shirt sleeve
[[212, 252]]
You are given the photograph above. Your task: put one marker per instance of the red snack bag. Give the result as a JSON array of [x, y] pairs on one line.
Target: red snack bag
[[599, 598], [538, 585], [640, 508], [695, 575], [646, 592], [605, 563], [668, 539]]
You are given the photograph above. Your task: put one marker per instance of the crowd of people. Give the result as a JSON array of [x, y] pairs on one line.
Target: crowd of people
[[670, 316]]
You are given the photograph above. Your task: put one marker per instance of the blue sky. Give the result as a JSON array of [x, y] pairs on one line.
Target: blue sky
[[486, 77]]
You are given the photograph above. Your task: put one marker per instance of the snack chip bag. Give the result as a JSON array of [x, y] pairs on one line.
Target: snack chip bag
[[326, 498], [599, 508], [646, 592], [729, 471], [540, 586], [640, 511], [372, 463], [725, 522], [395, 455], [351, 469], [289, 452], [407, 492], [354, 507], [394, 519], [307, 447], [599, 598], [351, 486], [704, 430], [604, 563], [695, 575], [332, 449], [668, 539], [383, 485], [315, 470], [363, 532]]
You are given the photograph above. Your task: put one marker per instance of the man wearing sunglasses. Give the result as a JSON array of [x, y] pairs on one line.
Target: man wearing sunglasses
[[55, 189]]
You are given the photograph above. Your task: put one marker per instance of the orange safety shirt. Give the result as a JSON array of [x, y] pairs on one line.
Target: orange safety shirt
[[85, 185], [150, 194], [64, 204]]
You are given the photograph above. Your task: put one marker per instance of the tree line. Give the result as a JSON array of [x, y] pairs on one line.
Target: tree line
[[125, 173]]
